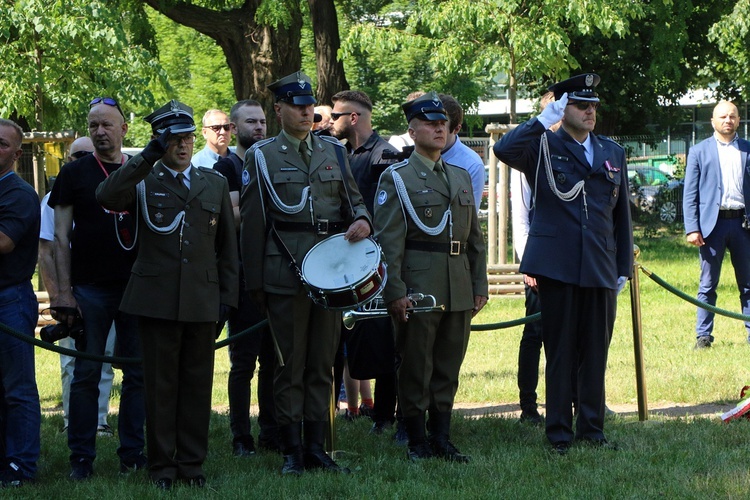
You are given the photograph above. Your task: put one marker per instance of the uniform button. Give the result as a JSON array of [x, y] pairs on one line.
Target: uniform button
[[186, 242], [585, 227], [315, 198], [184, 261], [159, 205], [187, 207], [312, 180], [187, 224]]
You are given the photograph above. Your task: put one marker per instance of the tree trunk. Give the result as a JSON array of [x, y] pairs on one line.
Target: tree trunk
[[331, 77], [256, 54]]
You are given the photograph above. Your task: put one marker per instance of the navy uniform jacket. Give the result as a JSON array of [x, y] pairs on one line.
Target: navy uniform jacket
[[266, 266], [185, 275], [454, 280], [564, 243]]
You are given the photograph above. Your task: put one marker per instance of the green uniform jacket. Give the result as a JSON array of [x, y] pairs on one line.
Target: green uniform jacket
[[184, 275], [454, 280], [266, 267]]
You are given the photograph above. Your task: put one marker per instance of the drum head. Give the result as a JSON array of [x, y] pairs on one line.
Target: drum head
[[337, 264]]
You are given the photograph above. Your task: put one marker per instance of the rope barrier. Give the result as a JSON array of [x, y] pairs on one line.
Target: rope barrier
[[115, 360], [708, 307]]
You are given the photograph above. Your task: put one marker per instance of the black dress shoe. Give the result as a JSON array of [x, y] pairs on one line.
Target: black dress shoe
[[447, 451], [163, 483], [531, 417], [560, 448], [81, 470], [380, 426], [320, 460], [198, 481], [419, 452], [294, 464], [243, 448]]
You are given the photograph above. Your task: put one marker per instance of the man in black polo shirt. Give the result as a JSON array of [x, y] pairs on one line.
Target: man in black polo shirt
[[19, 239], [93, 266], [248, 122]]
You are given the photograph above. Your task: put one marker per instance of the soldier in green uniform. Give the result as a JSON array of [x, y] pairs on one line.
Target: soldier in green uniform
[[427, 225], [297, 191], [184, 280]]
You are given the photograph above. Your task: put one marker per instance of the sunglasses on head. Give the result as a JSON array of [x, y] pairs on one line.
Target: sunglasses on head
[[217, 128], [108, 101], [80, 154], [584, 105]]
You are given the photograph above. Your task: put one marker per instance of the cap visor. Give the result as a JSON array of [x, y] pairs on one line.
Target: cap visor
[[574, 97], [302, 100], [432, 117], [177, 129]]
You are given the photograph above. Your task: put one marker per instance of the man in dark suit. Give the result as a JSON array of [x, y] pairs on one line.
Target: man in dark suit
[[717, 183], [579, 250], [184, 280], [298, 190], [426, 222]]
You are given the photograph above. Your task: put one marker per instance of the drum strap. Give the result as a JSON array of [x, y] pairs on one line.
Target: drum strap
[[285, 251]]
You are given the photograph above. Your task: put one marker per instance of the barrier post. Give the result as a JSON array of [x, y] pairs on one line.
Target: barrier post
[[635, 308], [331, 434]]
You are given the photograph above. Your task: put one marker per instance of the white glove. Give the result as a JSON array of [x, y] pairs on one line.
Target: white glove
[[553, 113], [621, 283]]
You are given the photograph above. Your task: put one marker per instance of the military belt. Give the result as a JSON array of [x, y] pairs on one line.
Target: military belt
[[322, 226], [452, 248]]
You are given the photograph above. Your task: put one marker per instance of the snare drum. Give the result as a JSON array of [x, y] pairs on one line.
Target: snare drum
[[344, 275]]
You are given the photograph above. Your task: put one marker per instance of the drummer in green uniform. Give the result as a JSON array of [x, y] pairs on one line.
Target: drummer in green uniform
[[297, 191]]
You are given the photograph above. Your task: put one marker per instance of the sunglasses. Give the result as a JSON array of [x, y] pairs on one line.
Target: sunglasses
[[336, 116], [217, 128], [80, 154], [584, 105], [108, 101]]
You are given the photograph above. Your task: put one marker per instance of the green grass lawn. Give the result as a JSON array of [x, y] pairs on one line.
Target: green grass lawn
[[663, 457]]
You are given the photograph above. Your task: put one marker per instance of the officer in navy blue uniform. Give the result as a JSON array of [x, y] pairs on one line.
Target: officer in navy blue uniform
[[580, 249]]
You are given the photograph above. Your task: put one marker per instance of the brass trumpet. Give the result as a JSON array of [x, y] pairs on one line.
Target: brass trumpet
[[376, 309]]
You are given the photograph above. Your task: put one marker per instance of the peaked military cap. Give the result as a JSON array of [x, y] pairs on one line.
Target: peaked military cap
[[428, 107], [293, 89], [175, 116], [579, 88]]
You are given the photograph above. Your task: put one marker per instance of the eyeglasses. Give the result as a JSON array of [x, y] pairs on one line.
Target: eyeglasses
[[108, 101], [584, 105], [187, 139], [217, 128], [336, 116]]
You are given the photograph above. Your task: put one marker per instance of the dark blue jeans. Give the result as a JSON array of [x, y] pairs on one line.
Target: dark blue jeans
[[100, 307], [20, 414]]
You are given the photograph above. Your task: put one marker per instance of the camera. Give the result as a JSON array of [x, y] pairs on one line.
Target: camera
[[389, 154], [53, 333]]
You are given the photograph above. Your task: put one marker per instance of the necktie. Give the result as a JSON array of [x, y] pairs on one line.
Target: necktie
[[304, 152], [438, 169], [182, 188]]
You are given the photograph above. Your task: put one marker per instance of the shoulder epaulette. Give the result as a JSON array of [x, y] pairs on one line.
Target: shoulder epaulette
[[209, 169], [398, 165], [260, 144], [331, 139], [605, 138]]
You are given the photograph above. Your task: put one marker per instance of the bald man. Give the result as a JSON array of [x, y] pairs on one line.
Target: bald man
[[93, 267], [717, 183]]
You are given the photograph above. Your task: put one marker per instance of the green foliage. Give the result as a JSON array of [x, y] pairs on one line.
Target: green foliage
[[67, 52], [731, 34]]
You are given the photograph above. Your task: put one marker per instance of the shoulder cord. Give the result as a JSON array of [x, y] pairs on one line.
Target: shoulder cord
[[260, 162], [179, 219], [580, 186], [403, 195]]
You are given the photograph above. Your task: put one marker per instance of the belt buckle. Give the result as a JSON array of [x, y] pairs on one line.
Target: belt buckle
[[455, 247], [321, 226]]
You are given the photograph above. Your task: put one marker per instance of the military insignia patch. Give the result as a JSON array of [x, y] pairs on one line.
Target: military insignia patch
[[212, 220], [245, 177], [382, 196], [428, 212], [159, 217]]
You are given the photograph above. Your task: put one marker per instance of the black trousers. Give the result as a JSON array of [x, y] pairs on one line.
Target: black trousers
[[243, 354], [577, 324], [528, 354]]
